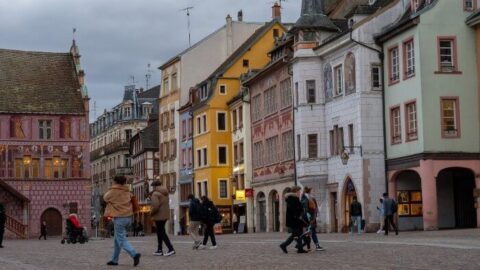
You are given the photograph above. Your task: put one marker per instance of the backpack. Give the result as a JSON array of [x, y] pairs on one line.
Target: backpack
[[216, 215], [394, 206]]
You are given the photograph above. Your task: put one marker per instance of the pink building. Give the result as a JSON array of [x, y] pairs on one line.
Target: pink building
[[272, 137], [44, 140]]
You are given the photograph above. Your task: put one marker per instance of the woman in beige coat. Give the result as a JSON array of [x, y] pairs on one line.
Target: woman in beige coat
[[160, 214], [119, 207]]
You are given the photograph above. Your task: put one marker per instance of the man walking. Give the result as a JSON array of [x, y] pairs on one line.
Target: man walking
[[43, 231], [195, 213], [389, 208], [3, 218], [160, 214], [294, 220], [356, 215]]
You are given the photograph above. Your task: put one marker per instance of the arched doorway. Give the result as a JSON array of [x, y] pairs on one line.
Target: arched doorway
[[409, 199], [262, 212], [455, 201], [275, 214], [349, 193], [54, 221]]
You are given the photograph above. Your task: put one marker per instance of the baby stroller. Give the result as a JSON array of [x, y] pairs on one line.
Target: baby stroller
[[74, 231]]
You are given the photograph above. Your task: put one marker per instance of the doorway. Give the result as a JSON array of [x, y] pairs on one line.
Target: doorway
[[54, 221], [275, 200], [334, 212], [350, 192], [262, 215], [456, 204]]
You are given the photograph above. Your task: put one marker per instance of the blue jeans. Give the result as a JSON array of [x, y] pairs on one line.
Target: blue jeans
[[314, 234], [358, 221], [120, 225]]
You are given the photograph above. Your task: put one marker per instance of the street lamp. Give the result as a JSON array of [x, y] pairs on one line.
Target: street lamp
[[345, 154]]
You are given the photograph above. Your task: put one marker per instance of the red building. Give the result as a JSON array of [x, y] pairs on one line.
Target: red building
[[44, 140], [272, 137]]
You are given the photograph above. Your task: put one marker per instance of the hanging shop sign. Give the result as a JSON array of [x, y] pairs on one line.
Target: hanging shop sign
[[240, 195]]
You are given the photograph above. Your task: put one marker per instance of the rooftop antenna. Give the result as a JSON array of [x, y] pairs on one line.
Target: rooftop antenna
[[133, 79], [147, 77], [187, 9], [73, 33]]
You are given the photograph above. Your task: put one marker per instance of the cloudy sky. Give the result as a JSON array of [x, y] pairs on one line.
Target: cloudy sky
[[118, 38]]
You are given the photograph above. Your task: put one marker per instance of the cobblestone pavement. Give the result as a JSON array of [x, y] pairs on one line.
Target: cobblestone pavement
[[459, 249]]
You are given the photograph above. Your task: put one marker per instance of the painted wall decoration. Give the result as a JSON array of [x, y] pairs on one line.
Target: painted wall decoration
[[65, 128], [350, 80], [16, 128], [328, 82]]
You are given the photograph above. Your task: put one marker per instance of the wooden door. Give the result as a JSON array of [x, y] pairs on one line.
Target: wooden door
[[54, 222]]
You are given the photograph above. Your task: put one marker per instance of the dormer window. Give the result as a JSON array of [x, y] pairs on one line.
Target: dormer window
[[469, 5], [309, 36], [203, 92]]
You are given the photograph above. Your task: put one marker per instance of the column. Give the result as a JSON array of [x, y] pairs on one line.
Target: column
[[429, 194]]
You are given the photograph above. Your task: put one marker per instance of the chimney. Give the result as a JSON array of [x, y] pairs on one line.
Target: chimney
[[229, 27], [240, 16], [276, 12]]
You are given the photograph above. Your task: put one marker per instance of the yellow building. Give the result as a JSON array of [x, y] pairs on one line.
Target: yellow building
[[212, 126]]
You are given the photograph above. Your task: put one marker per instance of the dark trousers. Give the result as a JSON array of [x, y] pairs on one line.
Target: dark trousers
[[162, 235], [296, 234], [388, 221], [44, 234], [209, 233], [2, 230]]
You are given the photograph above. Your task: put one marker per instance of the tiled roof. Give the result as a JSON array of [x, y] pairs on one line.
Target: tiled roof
[[149, 137], [39, 82], [153, 92]]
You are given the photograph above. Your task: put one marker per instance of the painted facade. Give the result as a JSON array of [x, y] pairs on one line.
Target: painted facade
[[44, 149], [179, 74], [212, 130], [432, 131]]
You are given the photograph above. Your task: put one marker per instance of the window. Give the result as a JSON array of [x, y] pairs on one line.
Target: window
[[223, 89], [395, 125], [223, 189], [203, 92], [393, 65], [450, 117], [338, 80], [287, 145], [309, 36], [340, 141], [469, 5], [222, 155], [256, 108], [235, 153], [128, 134], [411, 121], [240, 117], [174, 82], [285, 93], [184, 129], [234, 119], [312, 146], [165, 86], [202, 124], [190, 127], [408, 59], [221, 121], [172, 118], [409, 203], [48, 170], [414, 5], [271, 156], [296, 94], [332, 143], [240, 152], [376, 77], [299, 147], [269, 101], [202, 157], [173, 149], [45, 129], [246, 63], [447, 54], [257, 154], [276, 33], [350, 137], [311, 92]]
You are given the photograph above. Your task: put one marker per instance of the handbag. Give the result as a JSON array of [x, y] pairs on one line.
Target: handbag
[[135, 206]]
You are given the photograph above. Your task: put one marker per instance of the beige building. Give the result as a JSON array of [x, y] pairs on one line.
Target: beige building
[[178, 75]]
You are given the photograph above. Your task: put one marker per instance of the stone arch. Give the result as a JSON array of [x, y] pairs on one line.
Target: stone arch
[[408, 194], [348, 192], [261, 212], [274, 213], [54, 220]]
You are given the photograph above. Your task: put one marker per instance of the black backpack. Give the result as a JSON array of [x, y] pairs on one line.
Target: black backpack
[[394, 206]]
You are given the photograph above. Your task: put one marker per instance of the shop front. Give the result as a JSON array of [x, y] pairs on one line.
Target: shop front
[[239, 218]]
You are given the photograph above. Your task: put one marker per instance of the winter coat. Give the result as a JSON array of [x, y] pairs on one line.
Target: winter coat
[[119, 201], [388, 205], [294, 211], [3, 215], [160, 204], [355, 209], [43, 229], [195, 210], [210, 214]]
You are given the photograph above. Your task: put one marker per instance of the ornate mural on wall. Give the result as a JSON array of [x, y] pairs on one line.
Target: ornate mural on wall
[[328, 82], [350, 82]]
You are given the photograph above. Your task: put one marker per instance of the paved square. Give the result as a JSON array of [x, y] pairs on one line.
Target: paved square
[[458, 249]]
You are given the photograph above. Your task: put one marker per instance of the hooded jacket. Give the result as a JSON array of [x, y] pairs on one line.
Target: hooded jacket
[[119, 201], [195, 210], [294, 211], [160, 204]]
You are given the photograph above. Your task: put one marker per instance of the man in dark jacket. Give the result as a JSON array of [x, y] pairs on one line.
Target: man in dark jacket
[[195, 214], [3, 218], [389, 206], [210, 217], [294, 220], [355, 215]]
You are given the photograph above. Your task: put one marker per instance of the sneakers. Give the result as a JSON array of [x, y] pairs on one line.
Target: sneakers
[[380, 231], [112, 263], [213, 247], [201, 246], [319, 248], [136, 259], [158, 253], [284, 249], [170, 253]]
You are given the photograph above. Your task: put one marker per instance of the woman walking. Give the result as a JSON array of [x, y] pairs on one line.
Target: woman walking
[[119, 207], [211, 216], [160, 214], [43, 231], [294, 220]]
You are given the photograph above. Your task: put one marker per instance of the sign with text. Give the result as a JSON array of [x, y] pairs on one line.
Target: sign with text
[[240, 195]]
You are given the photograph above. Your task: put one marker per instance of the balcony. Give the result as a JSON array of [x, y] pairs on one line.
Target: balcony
[[118, 145]]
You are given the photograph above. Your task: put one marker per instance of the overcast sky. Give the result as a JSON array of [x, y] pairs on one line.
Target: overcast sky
[[118, 38]]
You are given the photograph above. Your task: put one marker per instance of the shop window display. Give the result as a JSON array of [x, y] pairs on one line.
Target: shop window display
[[409, 203]]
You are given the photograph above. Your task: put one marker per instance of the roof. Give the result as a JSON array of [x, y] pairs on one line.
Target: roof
[[149, 137], [13, 191], [39, 82], [153, 92], [313, 15], [473, 19], [367, 9]]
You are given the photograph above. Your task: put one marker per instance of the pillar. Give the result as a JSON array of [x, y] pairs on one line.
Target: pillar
[[282, 212], [429, 194], [477, 180]]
